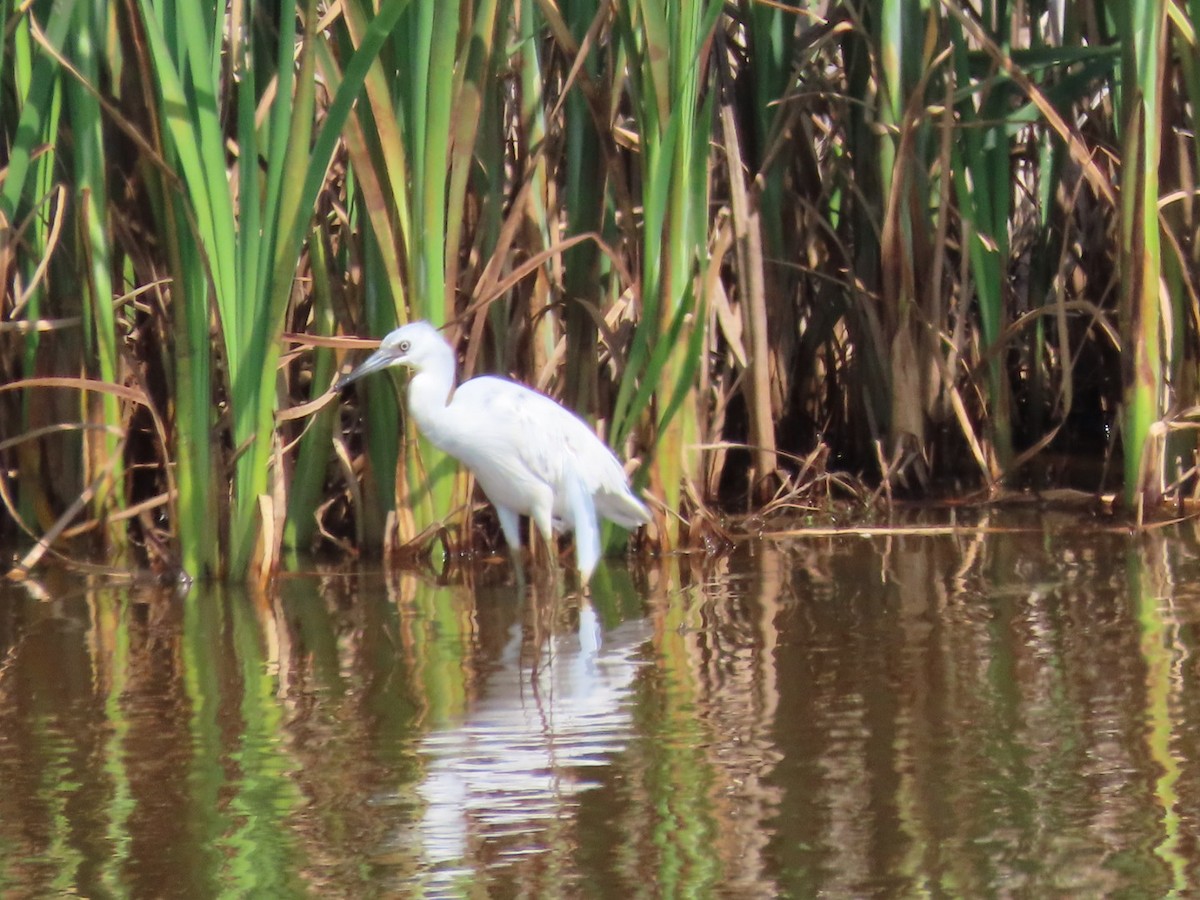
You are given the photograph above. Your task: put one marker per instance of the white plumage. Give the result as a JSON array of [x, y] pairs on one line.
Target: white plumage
[[530, 456]]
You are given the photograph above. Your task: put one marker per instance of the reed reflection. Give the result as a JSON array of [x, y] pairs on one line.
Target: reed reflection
[[1004, 709], [970, 713]]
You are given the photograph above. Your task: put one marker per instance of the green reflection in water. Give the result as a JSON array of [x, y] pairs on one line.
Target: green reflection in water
[[203, 626], [59, 784], [1009, 805], [111, 676], [438, 630], [262, 861], [1151, 587], [981, 715], [674, 816]]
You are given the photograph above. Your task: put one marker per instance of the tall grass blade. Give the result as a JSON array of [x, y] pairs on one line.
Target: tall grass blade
[[90, 168], [1140, 26], [26, 214], [670, 91]]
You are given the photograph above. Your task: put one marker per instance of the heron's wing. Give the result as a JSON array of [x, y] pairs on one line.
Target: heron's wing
[[505, 433], [601, 475], [525, 434], [604, 476], [521, 427]]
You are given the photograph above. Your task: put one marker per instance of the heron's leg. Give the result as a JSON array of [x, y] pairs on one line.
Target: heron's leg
[[510, 524], [543, 521]]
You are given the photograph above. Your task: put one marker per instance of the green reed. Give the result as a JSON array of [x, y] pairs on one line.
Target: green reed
[[669, 82], [886, 233], [248, 222], [26, 207], [1144, 327], [412, 149]]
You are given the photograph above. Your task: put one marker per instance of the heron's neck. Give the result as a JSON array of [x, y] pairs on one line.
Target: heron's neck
[[429, 390]]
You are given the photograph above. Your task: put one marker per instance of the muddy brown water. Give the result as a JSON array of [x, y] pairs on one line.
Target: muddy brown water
[[1011, 711]]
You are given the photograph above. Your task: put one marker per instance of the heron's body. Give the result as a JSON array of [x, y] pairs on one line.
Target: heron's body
[[530, 456]]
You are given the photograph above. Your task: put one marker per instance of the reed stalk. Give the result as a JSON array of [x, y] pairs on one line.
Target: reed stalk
[[308, 477], [418, 144], [670, 85], [983, 182], [26, 214], [1141, 25], [90, 168], [250, 228]]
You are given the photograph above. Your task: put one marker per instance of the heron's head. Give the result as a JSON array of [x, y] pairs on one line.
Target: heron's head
[[417, 345]]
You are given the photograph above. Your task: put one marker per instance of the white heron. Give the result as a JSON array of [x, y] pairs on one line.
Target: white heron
[[530, 455]]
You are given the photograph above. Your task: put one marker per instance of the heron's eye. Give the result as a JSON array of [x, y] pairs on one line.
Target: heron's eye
[[404, 345]]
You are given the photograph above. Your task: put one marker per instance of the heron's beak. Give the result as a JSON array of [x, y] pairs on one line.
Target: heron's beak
[[380, 359]]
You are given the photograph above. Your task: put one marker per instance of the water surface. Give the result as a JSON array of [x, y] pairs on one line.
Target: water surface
[[1010, 711]]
